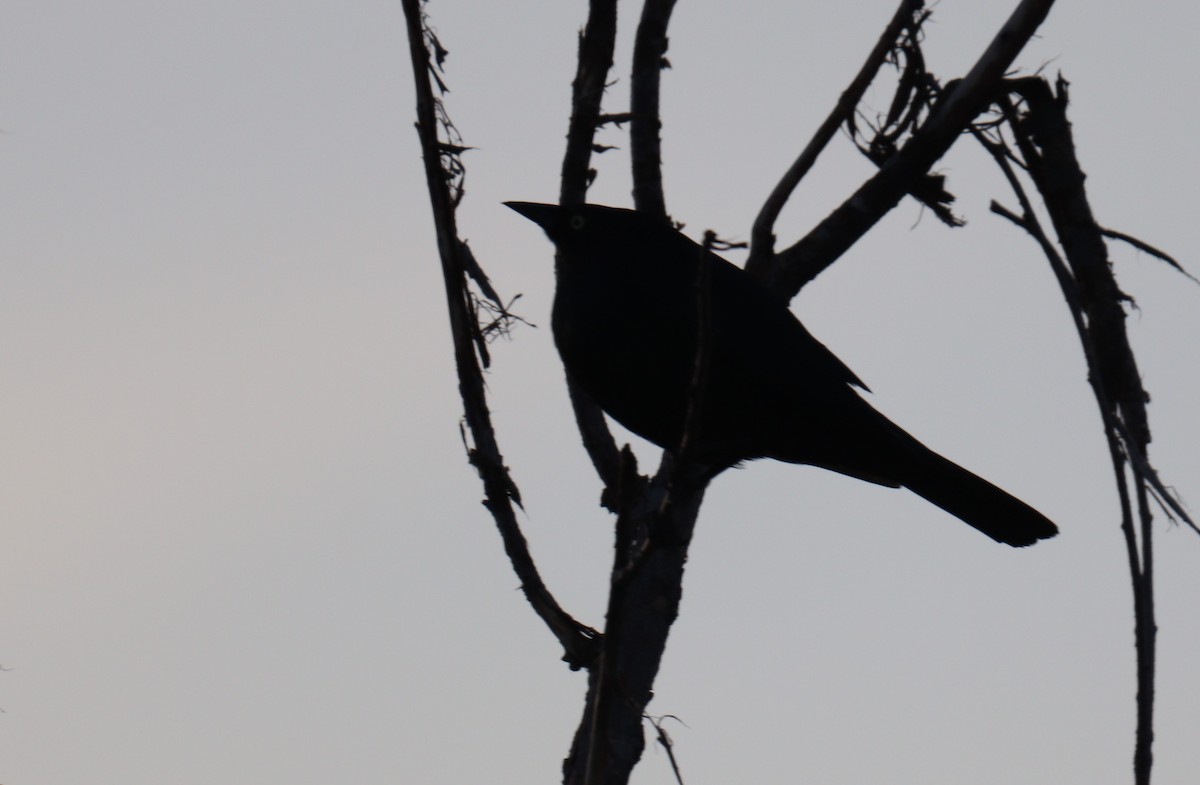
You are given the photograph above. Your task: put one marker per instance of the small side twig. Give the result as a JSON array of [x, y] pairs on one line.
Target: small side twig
[[596, 44], [664, 740]]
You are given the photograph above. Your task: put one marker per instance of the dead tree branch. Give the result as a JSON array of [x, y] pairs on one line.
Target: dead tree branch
[[596, 44], [1046, 152], [802, 262], [500, 492], [1144, 247], [655, 517], [762, 236], [645, 144]]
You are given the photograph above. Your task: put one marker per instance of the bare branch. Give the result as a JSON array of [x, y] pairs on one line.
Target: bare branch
[[597, 439], [762, 236], [1043, 136], [1167, 499], [654, 529], [664, 740], [649, 60], [1147, 248], [914, 97], [596, 44], [953, 113], [578, 640]]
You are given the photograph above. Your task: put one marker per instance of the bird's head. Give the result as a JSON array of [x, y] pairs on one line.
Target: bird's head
[[588, 224]]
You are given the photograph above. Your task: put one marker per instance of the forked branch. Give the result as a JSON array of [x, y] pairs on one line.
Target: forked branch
[[951, 116], [1045, 151]]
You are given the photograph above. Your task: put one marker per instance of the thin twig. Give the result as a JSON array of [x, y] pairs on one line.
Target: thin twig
[[664, 740], [1147, 248]]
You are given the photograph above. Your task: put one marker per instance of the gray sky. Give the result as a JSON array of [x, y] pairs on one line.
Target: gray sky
[[241, 539]]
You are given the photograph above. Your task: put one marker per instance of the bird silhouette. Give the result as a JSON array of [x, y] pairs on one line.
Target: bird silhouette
[[669, 338]]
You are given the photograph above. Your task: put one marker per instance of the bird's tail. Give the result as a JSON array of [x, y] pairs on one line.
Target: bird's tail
[[974, 500]]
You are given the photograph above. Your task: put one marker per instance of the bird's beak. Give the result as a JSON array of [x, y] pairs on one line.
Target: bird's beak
[[544, 215]]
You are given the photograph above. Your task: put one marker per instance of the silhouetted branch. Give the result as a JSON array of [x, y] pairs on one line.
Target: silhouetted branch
[[664, 740], [655, 517], [914, 96], [596, 44], [578, 640], [1147, 248], [951, 116], [762, 236], [654, 528], [1047, 153], [649, 60]]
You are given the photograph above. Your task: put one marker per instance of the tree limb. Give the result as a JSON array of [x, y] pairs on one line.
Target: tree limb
[[762, 236], [1096, 302], [803, 261], [596, 44], [649, 60], [578, 640]]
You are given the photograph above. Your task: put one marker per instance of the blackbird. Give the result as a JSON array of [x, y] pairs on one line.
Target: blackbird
[[668, 337]]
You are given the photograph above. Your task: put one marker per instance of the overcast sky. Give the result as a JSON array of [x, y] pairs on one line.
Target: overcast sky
[[241, 540]]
